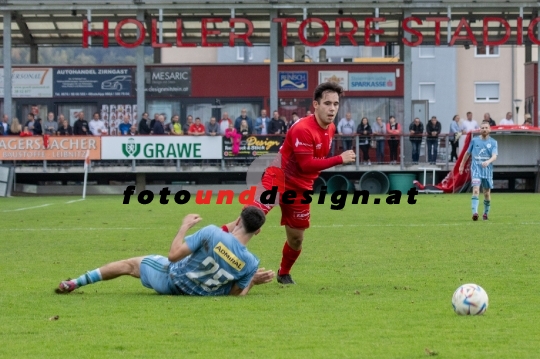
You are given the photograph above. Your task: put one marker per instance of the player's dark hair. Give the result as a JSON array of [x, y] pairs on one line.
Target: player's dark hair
[[326, 87], [253, 219]]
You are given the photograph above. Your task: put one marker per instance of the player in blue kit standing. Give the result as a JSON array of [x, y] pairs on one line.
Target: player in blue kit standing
[[210, 262], [483, 151]]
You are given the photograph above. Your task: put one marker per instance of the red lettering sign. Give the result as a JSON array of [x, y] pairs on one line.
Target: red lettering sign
[[308, 21], [118, 36], [416, 33], [368, 31], [349, 33]]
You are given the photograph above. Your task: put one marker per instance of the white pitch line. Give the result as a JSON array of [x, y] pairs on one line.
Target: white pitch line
[[315, 226], [24, 209], [76, 200], [77, 229], [413, 225]]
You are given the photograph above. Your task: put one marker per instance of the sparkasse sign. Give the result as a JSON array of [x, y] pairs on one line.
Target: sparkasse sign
[[161, 147]]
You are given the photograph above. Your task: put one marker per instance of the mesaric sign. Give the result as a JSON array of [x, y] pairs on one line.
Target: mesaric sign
[[161, 147]]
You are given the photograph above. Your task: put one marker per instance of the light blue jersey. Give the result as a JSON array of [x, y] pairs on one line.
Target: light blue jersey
[[217, 261], [481, 151]]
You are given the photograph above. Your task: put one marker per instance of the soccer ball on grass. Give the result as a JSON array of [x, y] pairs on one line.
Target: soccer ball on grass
[[470, 299]]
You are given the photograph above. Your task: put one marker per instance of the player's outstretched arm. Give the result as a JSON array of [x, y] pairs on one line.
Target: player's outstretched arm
[[262, 276], [179, 249]]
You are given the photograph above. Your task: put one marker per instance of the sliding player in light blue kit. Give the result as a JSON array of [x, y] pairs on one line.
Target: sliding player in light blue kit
[[209, 262], [484, 152]]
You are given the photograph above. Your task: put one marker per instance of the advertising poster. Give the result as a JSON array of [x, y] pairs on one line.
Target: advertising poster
[[372, 81], [58, 148], [339, 77], [93, 82], [161, 147], [31, 82], [252, 147], [168, 81]]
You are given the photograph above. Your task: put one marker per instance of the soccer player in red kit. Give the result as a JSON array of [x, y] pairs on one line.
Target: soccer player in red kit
[[299, 162]]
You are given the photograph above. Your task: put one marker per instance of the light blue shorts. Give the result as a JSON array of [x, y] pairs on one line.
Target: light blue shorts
[[484, 182], [154, 272]]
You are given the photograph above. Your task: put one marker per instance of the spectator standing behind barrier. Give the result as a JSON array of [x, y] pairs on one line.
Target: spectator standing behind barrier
[[433, 129], [455, 134], [97, 126], [15, 128], [175, 129], [187, 125], [244, 128], [26, 132], [38, 129], [379, 128], [124, 127], [364, 129], [487, 118], [144, 125], [49, 125], [469, 124], [243, 116], [80, 127], [224, 123], [212, 127], [416, 130], [4, 126], [393, 128], [261, 123], [528, 120], [64, 129], [153, 121], [29, 122], [292, 121], [507, 121], [133, 131], [159, 126], [277, 125], [345, 128], [197, 129]]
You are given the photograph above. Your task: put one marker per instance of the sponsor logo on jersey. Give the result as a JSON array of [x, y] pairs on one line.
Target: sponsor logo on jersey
[[318, 146], [229, 257], [302, 214], [298, 143]]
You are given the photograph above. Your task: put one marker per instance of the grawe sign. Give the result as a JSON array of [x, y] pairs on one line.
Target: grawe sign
[[411, 25], [161, 147], [58, 148]]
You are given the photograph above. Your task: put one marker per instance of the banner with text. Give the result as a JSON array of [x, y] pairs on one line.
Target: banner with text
[[56, 148], [161, 147], [29, 82], [168, 81], [82, 82], [251, 147], [372, 81]]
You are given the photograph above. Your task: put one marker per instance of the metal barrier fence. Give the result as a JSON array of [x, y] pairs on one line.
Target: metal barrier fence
[[403, 147]]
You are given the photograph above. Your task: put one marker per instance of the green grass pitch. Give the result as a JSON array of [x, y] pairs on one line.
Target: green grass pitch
[[374, 281]]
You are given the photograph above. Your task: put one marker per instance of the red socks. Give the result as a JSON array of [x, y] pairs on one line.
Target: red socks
[[288, 259]]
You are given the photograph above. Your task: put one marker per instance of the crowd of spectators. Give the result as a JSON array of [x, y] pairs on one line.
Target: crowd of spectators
[[371, 134]]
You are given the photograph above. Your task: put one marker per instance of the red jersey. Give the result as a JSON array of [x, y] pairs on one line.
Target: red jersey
[[304, 151], [196, 128]]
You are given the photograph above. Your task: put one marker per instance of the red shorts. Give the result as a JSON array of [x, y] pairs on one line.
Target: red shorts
[[296, 215]]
